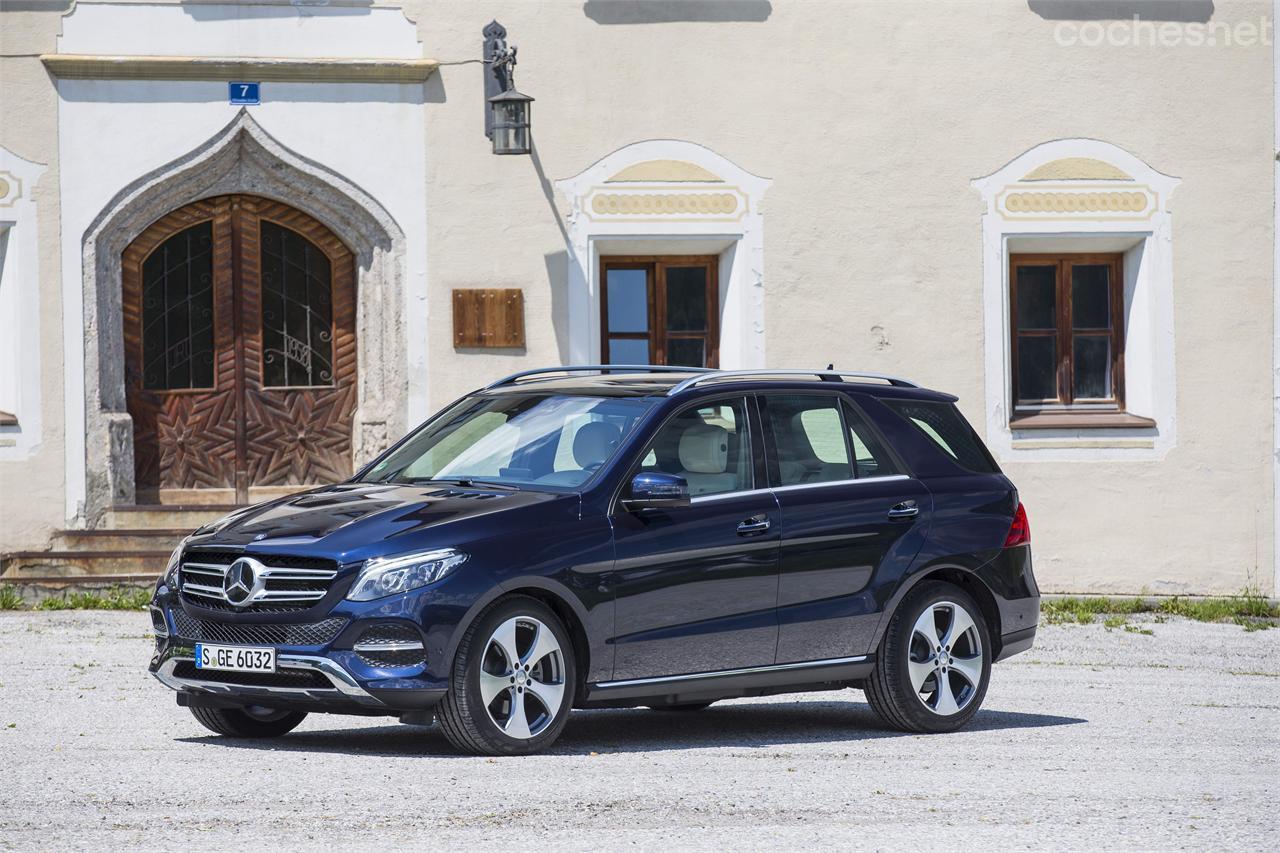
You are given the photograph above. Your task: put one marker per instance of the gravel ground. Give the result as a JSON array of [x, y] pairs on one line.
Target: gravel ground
[[1094, 739]]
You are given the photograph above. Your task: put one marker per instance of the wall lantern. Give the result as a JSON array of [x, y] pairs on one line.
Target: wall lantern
[[506, 120]]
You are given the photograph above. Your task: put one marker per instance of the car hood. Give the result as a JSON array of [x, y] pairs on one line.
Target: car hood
[[340, 521]]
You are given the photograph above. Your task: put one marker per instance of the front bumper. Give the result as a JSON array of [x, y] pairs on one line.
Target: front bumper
[[331, 678]]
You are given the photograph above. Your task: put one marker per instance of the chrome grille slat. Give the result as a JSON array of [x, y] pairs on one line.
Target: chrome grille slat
[[281, 582]]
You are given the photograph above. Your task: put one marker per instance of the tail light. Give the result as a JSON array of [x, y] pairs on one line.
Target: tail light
[[1020, 530]]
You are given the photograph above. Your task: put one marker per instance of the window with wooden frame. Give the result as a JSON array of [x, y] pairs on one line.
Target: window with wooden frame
[[1067, 341], [660, 310]]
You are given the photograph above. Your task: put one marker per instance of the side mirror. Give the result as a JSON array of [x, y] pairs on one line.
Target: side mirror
[[653, 490]]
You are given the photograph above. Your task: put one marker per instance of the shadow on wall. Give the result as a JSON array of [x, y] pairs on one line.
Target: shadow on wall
[[1183, 11], [669, 11]]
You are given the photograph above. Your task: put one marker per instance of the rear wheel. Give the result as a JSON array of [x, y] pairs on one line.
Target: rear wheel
[[249, 721], [934, 663], [512, 683]]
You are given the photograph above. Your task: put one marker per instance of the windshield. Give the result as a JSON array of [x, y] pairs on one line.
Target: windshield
[[554, 440]]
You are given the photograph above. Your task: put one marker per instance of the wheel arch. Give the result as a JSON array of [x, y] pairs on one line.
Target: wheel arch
[[965, 579], [555, 596]]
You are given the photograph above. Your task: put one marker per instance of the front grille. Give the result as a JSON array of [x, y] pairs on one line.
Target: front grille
[[308, 634], [301, 679], [271, 583], [390, 644]]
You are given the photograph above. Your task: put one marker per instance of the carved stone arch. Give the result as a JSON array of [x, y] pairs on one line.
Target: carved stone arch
[[241, 158]]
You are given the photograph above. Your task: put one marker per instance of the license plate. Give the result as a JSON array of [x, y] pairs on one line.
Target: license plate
[[235, 658]]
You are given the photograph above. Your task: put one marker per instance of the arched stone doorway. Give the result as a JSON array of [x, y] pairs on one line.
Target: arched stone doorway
[[240, 352], [242, 159]]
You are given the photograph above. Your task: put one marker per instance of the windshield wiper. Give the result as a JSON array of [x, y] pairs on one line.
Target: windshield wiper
[[464, 482]]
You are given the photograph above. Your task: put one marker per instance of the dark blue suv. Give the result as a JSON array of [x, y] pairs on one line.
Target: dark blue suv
[[616, 536]]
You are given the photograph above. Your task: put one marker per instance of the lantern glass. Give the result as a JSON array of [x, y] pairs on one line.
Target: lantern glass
[[510, 112]]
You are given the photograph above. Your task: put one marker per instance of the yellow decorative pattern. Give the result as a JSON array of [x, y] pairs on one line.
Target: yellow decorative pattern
[[666, 171], [660, 204], [1097, 202], [1077, 169], [10, 189]]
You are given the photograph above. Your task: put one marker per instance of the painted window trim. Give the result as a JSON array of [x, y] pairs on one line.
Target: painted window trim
[[20, 422]]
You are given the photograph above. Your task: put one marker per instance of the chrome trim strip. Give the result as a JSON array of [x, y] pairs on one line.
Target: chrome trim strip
[[745, 493], [750, 670], [391, 646], [210, 568], [342, 680], [283, 573], [851, 482]]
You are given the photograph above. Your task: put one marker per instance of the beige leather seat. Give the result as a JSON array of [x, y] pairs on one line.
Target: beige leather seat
[[593, 443], [704, 458]]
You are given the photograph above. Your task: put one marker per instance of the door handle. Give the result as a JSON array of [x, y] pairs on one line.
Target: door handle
[[755, 524], [906, 509]]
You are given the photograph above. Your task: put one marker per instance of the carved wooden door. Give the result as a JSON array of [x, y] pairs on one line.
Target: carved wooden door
[[240, 350]]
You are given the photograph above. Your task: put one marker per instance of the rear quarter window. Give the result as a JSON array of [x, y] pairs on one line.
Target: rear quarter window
[[943, 424]]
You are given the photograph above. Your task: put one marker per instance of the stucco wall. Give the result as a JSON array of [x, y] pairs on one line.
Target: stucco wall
[[870, 120], [31, 489]]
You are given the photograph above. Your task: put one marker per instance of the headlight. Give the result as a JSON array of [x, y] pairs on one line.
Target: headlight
[[383, 576], [170, 575]]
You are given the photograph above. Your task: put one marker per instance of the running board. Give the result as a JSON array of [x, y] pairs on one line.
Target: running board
[[756, 680]]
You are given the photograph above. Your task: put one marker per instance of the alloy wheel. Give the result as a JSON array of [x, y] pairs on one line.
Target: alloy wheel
[[945, 658], [522, 680]]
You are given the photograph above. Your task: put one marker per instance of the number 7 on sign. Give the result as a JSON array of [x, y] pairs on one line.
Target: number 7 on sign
[[244, 93]]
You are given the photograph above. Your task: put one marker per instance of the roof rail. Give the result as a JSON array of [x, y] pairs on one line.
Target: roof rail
[[596, 368], [825, 375]]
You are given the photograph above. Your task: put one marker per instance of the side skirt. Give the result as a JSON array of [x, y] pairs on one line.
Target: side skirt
[[831, 674]]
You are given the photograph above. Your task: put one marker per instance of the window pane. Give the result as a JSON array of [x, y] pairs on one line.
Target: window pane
[[946, 427], [686, 299], [628, 300], [687, 352], [628, 351], [1037, 308], [708, 446], [1092, 366], [869, 457], [297, 310], [810, 441], [177, 311], [1037, 360], [1090, 296]]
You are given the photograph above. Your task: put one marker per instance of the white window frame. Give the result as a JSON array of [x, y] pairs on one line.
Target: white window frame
[[19, 307], [1145, 237]]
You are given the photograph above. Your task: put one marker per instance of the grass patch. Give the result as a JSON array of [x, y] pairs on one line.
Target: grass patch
[[115, 598], [9, 598], [1250, 610]]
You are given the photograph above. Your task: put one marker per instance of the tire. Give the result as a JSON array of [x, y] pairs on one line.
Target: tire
[[683, 706], [903, 689], [517, 718], [252, 721]]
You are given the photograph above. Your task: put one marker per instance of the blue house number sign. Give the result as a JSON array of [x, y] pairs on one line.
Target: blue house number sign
[[244, 93]]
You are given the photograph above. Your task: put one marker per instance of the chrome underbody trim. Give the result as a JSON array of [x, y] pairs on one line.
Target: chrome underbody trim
[[391, 646], [339, 677], [751, 670]]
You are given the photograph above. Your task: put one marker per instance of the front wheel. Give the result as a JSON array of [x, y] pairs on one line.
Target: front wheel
[[934, 663], [512, 682], [250, 721]]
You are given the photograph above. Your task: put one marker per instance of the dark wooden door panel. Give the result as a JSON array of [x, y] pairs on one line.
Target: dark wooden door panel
[[244, 428], [183, 437], [297, 435]]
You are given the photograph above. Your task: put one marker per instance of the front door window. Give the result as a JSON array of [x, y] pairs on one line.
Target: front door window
[[660, 310]]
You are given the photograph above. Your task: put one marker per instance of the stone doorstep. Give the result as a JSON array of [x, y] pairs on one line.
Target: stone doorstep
[[108, 540], [74, 567], [185, 517]]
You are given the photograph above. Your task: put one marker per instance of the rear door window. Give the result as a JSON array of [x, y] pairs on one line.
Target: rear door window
[[943, 424]]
